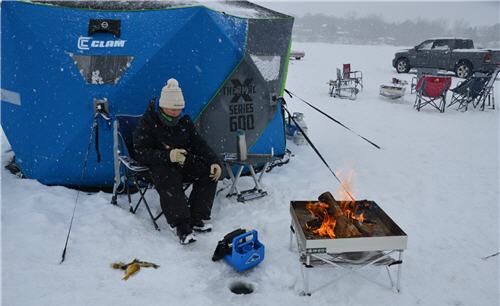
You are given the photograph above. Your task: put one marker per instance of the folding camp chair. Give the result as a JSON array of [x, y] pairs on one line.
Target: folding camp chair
[[420, 73], [343, 88], [431, 90], [488, 92], [127, 170], [469, 91], [476, 90], [353, 76]]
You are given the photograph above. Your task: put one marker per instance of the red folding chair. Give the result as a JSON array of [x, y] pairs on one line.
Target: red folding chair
[[354, 76], [431, 90]]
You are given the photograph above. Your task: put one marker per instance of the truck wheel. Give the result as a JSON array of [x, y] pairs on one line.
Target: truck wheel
[[402, 65], [463, 69]]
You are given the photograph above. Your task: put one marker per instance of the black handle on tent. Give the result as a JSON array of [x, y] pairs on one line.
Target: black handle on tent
[[316, 150], [291, 94], [105, 26]]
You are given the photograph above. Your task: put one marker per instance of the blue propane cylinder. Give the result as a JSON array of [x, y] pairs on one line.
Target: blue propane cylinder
[[246, 253]]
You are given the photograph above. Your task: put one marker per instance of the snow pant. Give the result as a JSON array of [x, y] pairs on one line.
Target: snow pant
[[168, 181]]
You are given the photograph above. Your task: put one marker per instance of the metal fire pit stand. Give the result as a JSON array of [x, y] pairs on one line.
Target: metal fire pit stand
[[306, 256]]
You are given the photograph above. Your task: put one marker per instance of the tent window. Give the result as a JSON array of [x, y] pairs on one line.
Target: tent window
[[268, 65], [101, 69]]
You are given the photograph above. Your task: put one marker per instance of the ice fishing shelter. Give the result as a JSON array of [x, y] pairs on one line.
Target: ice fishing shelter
[[60, 57]]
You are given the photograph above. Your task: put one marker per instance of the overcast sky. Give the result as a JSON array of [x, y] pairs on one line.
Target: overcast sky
[[472, 12]]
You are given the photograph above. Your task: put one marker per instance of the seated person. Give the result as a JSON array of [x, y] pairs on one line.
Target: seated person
[[171, 147]]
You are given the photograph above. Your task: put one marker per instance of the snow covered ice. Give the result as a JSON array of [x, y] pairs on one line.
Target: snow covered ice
[[437, 176]]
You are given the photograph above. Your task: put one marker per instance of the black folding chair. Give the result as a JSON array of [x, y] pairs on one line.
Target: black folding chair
[[488, 92], [129, 172], [476, 90], [468, 92]]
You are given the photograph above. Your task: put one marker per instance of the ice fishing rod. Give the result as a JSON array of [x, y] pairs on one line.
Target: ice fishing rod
[[291, 94], [63, 255], [316, 150]]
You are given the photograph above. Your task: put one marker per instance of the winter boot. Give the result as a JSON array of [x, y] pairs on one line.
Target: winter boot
[[201, 226], [184, 232]]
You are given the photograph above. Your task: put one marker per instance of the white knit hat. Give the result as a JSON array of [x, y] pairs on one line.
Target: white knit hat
[[171, 95]]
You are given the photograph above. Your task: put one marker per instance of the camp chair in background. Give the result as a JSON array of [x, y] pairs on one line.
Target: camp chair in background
[[476, 90], [354, 76], [431, 90], [127, 170], [343, 88], [468, 92], [488, 92], [421, 72]]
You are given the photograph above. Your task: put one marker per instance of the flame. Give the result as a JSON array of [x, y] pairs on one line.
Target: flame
[[327, 227], [317, 209], [320, 210], [347, 203], [346, 195]]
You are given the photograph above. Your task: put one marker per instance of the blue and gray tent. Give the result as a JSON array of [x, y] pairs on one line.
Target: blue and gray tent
[[61, 58]]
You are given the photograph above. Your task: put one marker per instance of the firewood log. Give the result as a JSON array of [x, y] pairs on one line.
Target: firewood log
[[344, 227], [362, 228], [314, 223]]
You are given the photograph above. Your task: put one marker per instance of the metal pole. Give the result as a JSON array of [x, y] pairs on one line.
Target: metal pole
[[254, 177], [398, 285], [306, 274], [263, 171]]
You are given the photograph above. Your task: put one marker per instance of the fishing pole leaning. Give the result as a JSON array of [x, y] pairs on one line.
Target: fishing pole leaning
[[291, 94]]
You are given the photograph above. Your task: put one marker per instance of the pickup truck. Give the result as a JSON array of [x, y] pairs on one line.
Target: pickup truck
[[451, 54]]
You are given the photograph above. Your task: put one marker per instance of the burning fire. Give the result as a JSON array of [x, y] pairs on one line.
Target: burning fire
[[347, 200], [319, 210]]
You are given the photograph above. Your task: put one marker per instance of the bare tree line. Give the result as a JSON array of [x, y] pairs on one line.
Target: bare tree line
[[375, 30]]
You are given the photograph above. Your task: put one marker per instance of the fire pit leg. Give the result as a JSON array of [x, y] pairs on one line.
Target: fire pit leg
[[292, 231], [305, 275], [398, 282]]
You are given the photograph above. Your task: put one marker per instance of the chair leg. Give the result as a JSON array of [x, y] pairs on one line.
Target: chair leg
[[141, 198], [151, 215], [142, 192], [127, 188], [115, 195], [159, 215]]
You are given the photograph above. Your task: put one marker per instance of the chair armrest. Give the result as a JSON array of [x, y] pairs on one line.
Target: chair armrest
[[131, 164]]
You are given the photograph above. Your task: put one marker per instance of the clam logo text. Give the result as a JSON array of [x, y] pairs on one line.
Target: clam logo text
[[85, 43]]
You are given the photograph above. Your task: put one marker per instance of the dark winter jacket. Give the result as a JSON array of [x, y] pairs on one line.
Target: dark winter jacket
[[152, 134]]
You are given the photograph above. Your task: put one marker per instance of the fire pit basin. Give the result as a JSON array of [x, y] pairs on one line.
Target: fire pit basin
[[385, 234]]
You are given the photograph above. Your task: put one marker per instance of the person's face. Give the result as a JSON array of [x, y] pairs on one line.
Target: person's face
[[172, 112]]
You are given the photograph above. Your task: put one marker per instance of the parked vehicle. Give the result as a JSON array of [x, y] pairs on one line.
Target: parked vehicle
[[451, 54], [297, 54]]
